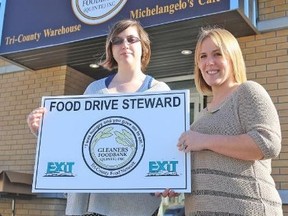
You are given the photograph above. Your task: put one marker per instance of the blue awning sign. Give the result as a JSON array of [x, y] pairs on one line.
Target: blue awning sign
[[54, 22]]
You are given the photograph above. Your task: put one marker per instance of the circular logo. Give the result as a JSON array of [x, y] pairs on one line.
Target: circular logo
[[113, 146], [96, 11]]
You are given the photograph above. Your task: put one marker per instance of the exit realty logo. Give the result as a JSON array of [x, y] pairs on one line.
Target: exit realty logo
[[162, 168], [59, 169]]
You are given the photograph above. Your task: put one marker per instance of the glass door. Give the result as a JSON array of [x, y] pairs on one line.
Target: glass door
[[196, 104], [187, 82]]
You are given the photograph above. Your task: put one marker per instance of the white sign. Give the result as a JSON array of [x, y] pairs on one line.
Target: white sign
[[113, 143], [96, 12]]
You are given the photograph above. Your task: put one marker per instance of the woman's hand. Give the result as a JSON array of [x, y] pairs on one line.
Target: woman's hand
[[240, 146], [191, 141], [167, 193], [34, 119]]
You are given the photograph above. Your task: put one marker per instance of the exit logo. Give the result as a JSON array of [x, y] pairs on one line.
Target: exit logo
[[163, 168], [59, 169]]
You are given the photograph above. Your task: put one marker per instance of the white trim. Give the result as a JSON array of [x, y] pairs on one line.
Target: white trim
[[284, 196], [274, 24], [196, 101], [10, 69], [2, 15], [248, 7], [195, 97], [234, 4], [10, 66]]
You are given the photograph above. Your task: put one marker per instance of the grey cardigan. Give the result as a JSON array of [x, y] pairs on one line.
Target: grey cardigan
[[223, 185]]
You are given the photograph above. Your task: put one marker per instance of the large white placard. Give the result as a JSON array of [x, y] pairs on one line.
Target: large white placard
[[113, 143]]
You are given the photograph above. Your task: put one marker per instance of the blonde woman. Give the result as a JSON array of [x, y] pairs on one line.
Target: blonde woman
[[235, 137]]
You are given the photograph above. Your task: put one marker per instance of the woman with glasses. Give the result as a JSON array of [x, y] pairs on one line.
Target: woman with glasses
[[127, 51]]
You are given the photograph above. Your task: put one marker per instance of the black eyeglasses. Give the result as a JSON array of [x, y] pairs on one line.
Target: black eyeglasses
[[129, 39]]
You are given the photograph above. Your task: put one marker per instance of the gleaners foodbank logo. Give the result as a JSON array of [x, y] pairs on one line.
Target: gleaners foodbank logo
[[113, 146], [93, 12]]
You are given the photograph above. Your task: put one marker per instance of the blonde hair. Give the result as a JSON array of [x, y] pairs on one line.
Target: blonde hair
[[110, 63], [229, 48]]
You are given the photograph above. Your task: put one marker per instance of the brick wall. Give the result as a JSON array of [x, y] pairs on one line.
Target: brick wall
[[272, 9], [34, 207], [20, 93], [267, 63], [76, 82]]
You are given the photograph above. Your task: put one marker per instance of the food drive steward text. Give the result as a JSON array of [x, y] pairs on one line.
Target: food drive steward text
[[114, 104]]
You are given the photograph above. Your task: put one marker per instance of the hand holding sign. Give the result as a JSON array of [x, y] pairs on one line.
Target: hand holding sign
[[108, 140]]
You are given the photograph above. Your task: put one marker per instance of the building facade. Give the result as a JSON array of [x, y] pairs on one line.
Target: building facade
[[266, 56]]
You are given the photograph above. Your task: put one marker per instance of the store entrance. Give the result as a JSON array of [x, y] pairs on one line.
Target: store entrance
[[196, 104], [187, 82]]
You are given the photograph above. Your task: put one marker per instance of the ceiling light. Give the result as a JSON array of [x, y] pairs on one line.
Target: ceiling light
[[186, 52], [94, 65]]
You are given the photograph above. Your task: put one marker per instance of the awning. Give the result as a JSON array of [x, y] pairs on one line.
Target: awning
[[15, 183]]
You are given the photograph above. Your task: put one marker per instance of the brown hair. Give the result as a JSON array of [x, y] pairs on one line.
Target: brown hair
[[117, 28], [229, 48]]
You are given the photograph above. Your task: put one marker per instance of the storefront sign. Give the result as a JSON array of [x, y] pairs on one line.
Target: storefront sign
[[31, 24]]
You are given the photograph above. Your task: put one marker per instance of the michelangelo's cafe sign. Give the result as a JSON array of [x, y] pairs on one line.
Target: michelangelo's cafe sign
[[113, 143], [32, 24]]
